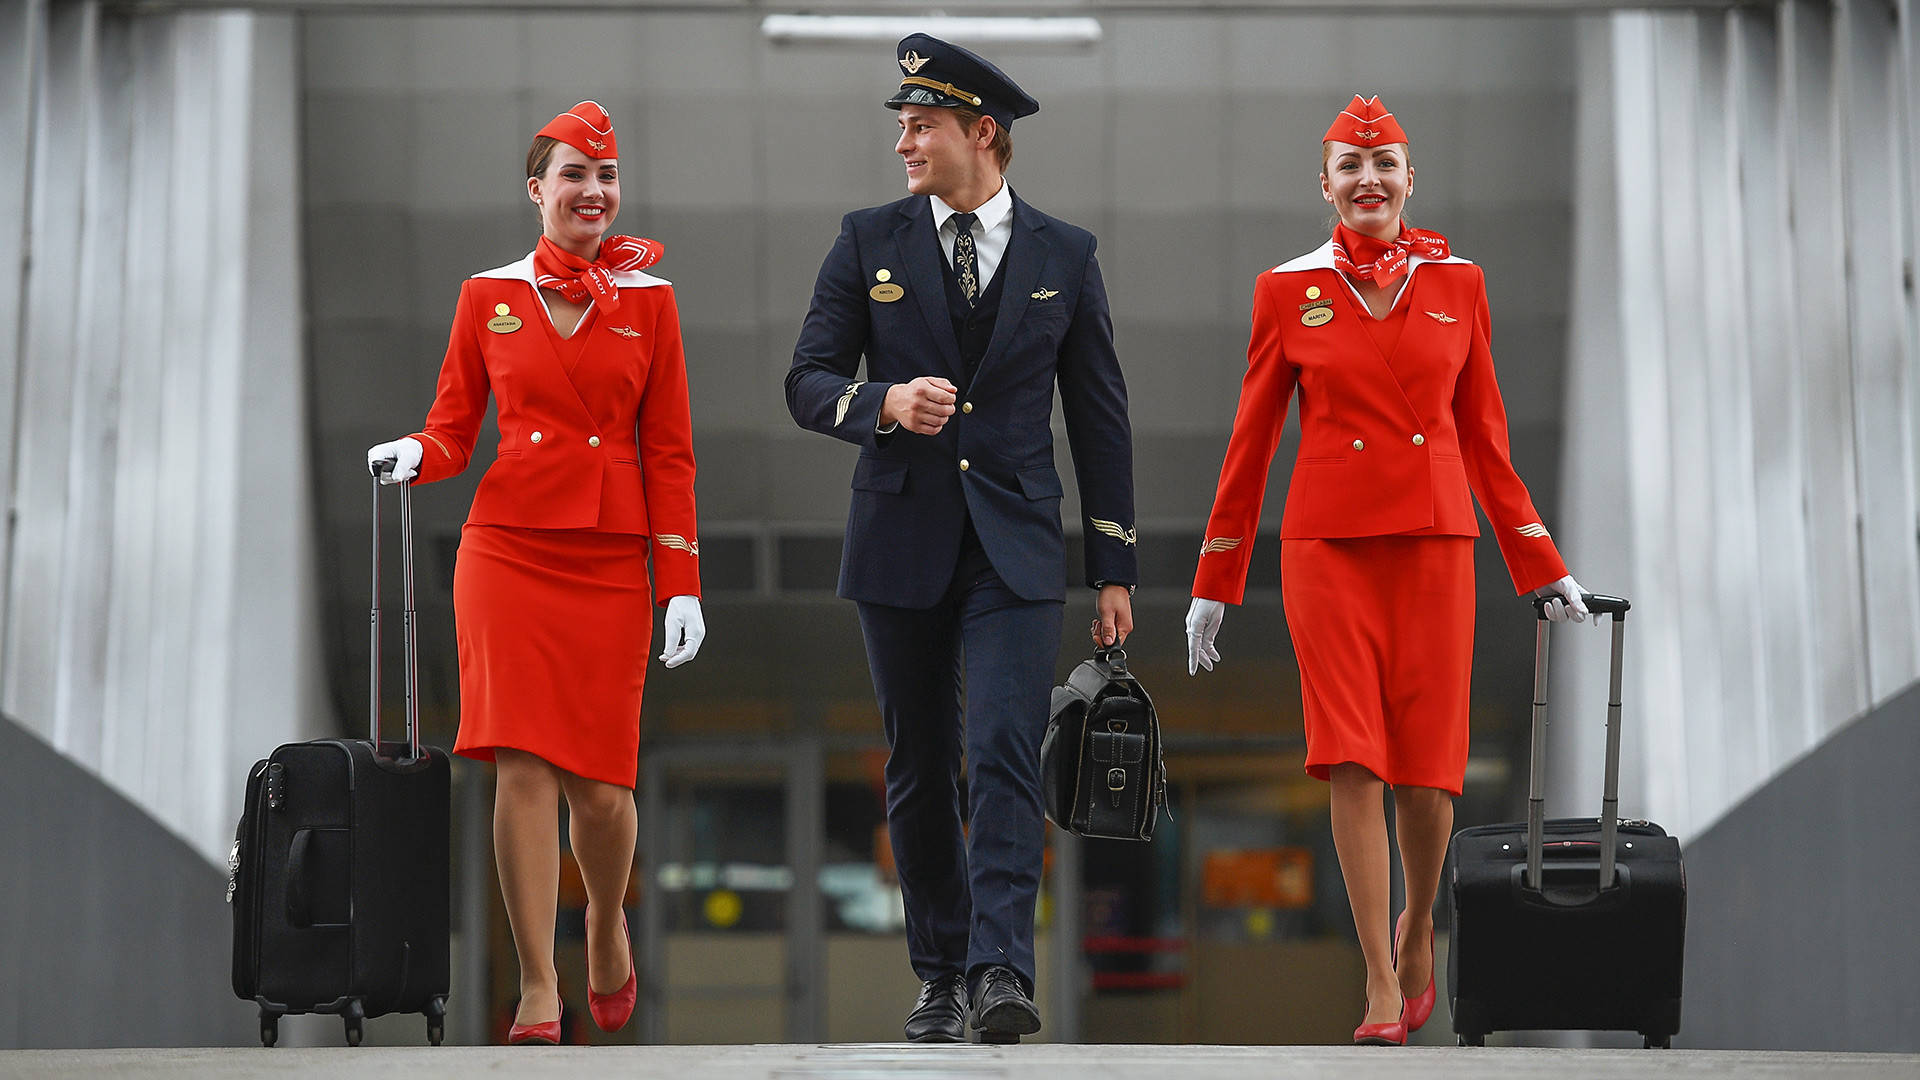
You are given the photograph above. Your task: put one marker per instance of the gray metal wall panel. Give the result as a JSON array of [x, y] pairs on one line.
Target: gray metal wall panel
[[1801, 934], [111, 926]]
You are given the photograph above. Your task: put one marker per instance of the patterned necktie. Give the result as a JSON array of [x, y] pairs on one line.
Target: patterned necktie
[[964, 262]]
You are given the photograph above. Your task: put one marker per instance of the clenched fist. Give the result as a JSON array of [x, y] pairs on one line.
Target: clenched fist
[[921, 406]]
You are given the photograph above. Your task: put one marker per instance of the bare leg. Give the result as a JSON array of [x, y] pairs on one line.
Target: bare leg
[[1360, 838], [1424, 822], [603, 826], [526, 845]]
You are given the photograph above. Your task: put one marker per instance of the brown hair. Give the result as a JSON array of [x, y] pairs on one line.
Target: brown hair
[[540, 155], [1002, 145]]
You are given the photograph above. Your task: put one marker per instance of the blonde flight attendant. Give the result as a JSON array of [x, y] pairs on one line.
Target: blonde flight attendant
[[1384, 335], [581, 353]]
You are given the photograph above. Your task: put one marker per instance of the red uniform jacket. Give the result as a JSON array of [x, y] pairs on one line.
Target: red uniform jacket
[[1388, 445], [595, 430]]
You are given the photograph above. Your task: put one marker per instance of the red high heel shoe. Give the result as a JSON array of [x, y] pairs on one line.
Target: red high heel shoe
[[612, 1011], [1419, 1008], [1391, 1033], [546, 1033]]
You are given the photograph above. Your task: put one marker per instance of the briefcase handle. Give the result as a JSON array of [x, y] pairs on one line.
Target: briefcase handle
[[1598, 604], [1113, 656], [408, 636]]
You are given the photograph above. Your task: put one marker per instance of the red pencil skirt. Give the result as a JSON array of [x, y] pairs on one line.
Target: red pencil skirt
[[1383, 630], [554, 627]]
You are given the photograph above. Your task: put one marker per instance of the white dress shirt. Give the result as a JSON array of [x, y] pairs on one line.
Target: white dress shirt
[[991, 234]]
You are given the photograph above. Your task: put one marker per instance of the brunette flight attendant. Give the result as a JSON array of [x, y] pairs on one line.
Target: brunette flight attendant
[[1385, 335], [552, 606]]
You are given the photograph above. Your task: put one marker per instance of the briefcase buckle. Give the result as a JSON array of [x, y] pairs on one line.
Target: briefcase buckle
[[1116, 779]]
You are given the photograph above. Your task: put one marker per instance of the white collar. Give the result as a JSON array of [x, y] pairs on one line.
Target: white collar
[[990, 212], [1321, 258], [522, 270]]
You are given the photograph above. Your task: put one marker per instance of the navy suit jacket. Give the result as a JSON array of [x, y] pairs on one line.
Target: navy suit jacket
[[911, 494]]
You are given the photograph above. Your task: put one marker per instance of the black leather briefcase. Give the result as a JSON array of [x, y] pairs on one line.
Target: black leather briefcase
[[1102, 772]]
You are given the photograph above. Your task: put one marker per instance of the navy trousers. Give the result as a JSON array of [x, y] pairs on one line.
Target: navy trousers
[[969, 893]]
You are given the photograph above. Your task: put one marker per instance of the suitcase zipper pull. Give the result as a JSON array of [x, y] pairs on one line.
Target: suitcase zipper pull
[[233, 870]]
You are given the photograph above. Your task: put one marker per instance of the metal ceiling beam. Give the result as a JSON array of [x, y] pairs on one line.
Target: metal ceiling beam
[[1026, 8]]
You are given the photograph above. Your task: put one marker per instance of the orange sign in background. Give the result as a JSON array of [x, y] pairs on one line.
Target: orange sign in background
[[1279, 877]]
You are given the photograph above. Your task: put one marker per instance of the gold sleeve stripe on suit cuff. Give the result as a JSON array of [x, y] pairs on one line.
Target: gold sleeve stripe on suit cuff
[[1534, 530], [946, 88], [441, 445], [1113, 529], [1220, 543], [679, 543]]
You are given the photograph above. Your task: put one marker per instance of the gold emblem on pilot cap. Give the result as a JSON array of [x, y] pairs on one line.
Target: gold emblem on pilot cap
[[503, 321], [1319, 316], [913, 62]]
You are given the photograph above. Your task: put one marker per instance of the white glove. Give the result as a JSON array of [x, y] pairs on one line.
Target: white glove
[[1203, 622], [405, 455], [685, 630], [1566, 603]]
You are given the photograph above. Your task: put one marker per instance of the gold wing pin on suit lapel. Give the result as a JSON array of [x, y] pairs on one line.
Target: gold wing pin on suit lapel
[[1441, 317], [1044, 293]]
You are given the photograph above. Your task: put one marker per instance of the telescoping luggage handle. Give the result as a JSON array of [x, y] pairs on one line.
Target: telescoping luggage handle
[[1597, 605], [411, 644]]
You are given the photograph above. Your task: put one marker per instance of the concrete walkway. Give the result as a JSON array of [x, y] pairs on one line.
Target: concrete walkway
[[965, 1062]]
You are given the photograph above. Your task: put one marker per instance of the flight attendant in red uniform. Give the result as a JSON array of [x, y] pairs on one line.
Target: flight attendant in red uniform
[[552, 606], [1384, 334]]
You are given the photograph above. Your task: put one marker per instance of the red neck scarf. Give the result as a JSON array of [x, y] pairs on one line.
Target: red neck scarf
[[1382, 262], [579, 280]]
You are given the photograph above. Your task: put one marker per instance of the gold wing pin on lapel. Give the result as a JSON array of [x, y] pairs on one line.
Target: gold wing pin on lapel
[[1113, 529], [846, 400], [1219, 543], [1441, 317], [625, 331], [1045, 294]]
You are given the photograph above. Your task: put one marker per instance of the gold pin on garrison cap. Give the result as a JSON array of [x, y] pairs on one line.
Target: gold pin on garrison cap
[[503, 322], [886, 292]]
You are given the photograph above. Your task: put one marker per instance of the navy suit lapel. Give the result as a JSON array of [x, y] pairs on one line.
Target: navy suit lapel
[[920, 253], [1020, 267]]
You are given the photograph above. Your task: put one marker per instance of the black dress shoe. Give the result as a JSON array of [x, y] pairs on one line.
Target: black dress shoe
[[1002, 1011], [941, 1013]]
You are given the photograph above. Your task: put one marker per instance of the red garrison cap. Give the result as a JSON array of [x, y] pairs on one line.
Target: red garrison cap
[[587, 128], [1364, 122]]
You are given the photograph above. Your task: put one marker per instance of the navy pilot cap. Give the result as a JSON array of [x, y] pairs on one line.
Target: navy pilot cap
[[942, 74]]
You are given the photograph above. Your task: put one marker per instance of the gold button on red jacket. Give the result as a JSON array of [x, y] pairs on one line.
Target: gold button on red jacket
[[1388, 445], [621, 379]]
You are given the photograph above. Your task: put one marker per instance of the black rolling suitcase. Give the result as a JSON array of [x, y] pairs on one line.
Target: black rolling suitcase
[[1570, 924], [339, 875]]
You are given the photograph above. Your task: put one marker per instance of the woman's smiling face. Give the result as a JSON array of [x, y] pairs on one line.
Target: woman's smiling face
[[1367, 186]]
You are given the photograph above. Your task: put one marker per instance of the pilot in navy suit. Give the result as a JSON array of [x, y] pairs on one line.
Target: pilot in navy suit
[[970, 307]]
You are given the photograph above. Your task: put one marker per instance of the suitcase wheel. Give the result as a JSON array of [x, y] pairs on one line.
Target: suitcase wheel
[[1475, 1039], [352, 1016], [1652, 1042], [269, 1029], [436, 1030]]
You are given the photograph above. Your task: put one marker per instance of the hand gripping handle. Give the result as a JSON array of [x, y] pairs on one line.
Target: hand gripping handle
[[407, 628], [1597, 604]]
